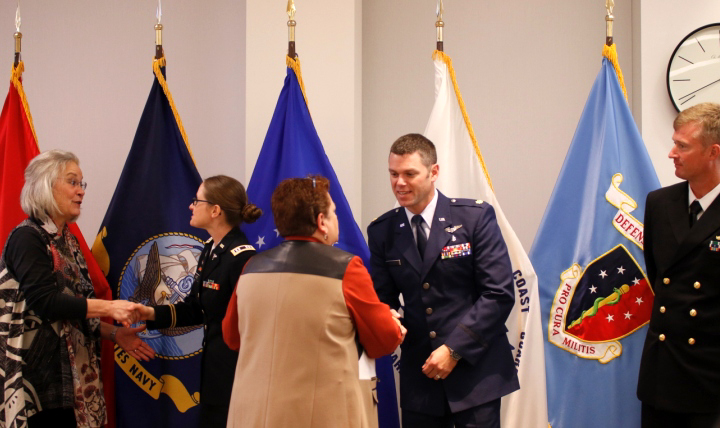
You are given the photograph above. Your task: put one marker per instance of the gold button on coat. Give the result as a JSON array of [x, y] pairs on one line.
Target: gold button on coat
[[426, 286], [693, 312], [661, 337], [691, 341], [432, 335], [662, 309], [666, 281], [428, 311], [696, 285]]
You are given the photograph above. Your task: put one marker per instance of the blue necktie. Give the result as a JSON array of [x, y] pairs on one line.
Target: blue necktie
[[418, 221]]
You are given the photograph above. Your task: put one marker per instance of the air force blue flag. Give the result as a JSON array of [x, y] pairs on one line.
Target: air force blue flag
[[149, 253], [588, 255], [292, 148]]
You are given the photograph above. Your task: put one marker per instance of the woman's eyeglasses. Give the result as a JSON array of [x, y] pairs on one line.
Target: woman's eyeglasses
[[76, 183], [196, 200]]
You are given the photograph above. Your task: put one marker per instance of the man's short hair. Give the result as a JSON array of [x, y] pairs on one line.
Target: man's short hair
[[707, 115], [411, 143]]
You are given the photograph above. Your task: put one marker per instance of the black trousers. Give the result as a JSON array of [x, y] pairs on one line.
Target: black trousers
[[483, 416], [656, 418]]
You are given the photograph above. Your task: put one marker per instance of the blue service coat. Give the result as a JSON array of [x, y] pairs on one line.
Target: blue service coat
[[460, 294]]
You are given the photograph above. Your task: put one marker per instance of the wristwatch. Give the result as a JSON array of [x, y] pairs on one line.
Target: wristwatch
[[454, 355]]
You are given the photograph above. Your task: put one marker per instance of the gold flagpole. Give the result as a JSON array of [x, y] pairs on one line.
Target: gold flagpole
[[291, 29], [439, 24]]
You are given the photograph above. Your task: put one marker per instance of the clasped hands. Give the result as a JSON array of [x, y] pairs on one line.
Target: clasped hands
[[128, 313]]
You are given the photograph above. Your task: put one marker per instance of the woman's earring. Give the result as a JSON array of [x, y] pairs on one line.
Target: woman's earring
[[325, 237]]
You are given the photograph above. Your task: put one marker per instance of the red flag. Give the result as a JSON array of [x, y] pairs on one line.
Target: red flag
[[18, 145]]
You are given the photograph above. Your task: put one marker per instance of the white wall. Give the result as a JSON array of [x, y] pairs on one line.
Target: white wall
[[663, 24], [88, 73], [525, 72]]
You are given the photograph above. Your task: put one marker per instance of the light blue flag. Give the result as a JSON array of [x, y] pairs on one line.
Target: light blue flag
[[292, 148], [588, 256]]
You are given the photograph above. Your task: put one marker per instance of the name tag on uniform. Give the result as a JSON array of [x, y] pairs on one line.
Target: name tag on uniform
[[210, 284], [455, 251], [715, 245]]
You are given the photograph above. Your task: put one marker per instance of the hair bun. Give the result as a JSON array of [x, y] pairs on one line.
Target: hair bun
[[250, 213]]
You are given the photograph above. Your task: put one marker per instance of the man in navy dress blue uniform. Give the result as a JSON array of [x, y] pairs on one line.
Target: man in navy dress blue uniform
[[679, 380], [448, 259]]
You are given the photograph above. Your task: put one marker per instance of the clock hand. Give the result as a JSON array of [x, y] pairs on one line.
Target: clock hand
[[698, 89]]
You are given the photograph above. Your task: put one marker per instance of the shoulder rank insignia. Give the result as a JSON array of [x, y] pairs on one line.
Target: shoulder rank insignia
[[453, 229], [241, 248], [478, 201]]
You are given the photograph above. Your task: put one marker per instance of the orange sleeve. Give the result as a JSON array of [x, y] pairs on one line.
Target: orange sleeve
[[379, 333], [231, 335]]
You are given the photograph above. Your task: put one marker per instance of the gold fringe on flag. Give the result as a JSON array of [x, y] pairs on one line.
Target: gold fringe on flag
[[16, 80], [157, 64], [295, 65], [446, 59], [610, 52]]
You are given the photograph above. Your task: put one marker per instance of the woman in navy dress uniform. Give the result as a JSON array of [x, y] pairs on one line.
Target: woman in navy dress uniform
[[220, 206]]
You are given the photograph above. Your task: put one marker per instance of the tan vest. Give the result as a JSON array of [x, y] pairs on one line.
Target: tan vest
[[298, 363]]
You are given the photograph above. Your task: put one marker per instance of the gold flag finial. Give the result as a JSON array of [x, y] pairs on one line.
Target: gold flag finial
[[17, 35], [439, 24], [291, 28], [609, 18], [158, 32]]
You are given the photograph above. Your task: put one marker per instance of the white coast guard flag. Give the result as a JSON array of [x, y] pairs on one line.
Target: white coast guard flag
[[464, 175]]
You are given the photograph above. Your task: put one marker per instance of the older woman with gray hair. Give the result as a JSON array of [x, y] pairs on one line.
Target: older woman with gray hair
[[50, 326]]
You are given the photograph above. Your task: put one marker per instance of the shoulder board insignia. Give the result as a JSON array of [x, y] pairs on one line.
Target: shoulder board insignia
[[464, 202], [241, 248], [385, 216]]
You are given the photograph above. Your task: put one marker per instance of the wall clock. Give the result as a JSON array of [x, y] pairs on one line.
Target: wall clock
[[693, 74]]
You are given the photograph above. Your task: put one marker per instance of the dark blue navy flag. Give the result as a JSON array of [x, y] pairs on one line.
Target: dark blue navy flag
[[292, 148], [588, 256], [149, 253]]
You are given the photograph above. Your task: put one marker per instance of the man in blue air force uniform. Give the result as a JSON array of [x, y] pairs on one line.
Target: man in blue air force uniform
[[448, 259]]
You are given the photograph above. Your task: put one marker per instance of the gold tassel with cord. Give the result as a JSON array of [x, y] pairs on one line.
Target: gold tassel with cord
[[439, 55], [295, 65], [16, 80], [157, 64], [610, 52]]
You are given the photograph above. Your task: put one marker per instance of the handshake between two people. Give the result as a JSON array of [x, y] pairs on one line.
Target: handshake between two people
[[128, 313], [397, 318], [125, 313]]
